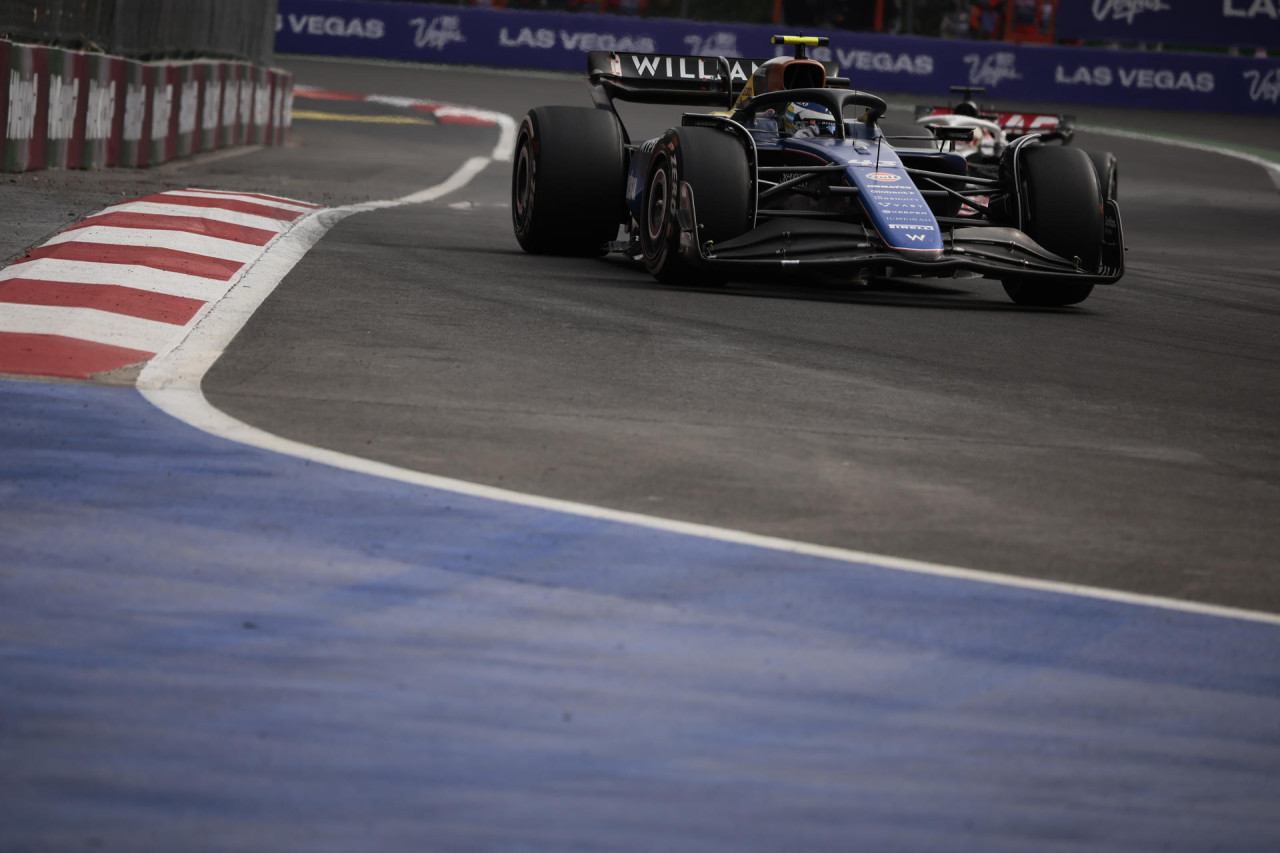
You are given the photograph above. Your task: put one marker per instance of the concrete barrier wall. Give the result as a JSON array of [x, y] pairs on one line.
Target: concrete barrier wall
[[64, 109]]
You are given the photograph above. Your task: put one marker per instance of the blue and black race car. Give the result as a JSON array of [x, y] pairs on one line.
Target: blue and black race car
[[794, 172]]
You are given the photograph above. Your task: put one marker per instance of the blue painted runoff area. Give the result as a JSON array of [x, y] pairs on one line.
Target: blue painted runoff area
[[209, 646]]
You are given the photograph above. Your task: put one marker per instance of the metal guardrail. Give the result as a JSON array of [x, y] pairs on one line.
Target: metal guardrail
[[146, 29]]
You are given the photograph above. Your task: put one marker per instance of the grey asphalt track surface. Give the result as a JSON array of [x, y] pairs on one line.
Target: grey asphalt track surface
[[254, 680], [1130, 443]]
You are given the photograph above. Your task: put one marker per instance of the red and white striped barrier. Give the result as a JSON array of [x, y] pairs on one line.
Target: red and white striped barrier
[[120, 286], [73, 110]]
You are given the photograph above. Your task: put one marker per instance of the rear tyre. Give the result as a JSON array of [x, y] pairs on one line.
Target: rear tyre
[[715, 166], [1104, 163], [567, 181], [1062, 211]]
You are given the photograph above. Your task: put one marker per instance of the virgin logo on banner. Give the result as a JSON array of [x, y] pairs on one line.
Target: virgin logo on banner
[[991, 70], [439, 33], [1208, 23], [1264, 86], [1126, 10]]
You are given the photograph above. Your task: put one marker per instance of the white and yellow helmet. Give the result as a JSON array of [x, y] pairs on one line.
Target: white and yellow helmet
[[814, 119]]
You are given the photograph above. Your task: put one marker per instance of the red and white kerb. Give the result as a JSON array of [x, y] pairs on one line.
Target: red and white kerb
[[443, 112], [118, 287]]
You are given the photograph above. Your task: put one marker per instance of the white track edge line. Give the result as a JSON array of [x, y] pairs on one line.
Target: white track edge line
[[171, 382], [1271, 167]]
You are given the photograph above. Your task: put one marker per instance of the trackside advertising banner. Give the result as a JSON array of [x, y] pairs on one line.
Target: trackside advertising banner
[[560, 41], [1223, 23]]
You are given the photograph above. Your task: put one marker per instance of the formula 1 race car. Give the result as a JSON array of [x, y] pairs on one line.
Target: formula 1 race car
[[992, 131], [793, 173]]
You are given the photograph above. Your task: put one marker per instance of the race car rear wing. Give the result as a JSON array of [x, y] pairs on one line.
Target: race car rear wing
[[661, 78]]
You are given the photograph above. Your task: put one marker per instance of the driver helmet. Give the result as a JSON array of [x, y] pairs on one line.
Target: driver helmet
[[808, 119]]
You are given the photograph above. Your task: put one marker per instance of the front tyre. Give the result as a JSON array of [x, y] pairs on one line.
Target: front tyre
[[1104, 164], [714, 165], [1062, 211], [567, 181]]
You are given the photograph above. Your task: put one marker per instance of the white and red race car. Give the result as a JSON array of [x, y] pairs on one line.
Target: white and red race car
[[992, 130]]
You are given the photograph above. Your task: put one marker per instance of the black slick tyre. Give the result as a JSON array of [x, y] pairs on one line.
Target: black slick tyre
[[1062, 211], [715, 166], [567, 181], [1104, 163]]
